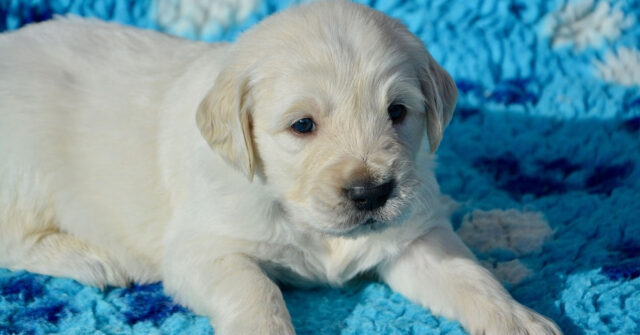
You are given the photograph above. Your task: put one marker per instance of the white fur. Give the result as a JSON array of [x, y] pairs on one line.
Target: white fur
[[126, 155]]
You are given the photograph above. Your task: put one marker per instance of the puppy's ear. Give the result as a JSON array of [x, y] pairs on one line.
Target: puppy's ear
[[225, 121], [440, 95]]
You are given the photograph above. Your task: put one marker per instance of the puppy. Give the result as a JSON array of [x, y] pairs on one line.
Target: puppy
[[292, 155]]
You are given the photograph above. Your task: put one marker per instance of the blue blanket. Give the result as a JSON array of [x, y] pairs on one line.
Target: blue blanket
[[544, 148]]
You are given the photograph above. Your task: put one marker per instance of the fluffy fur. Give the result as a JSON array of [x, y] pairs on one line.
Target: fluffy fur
[[126, 155]]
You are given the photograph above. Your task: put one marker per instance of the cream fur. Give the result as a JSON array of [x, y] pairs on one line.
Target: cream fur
[[126, 155]]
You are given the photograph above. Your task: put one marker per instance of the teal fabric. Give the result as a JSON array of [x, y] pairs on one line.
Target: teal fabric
[[539, 127]]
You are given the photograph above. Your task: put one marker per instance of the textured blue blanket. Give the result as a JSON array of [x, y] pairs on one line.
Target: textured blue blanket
[[544, 148]]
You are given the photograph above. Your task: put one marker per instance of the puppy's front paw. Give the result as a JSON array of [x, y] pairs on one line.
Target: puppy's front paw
[[514, 320]]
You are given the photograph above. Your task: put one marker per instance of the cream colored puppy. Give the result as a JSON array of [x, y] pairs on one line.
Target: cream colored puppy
[[292, 155]]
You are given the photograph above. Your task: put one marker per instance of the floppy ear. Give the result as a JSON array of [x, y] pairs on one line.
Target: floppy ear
[[225, 122], [440, 95]]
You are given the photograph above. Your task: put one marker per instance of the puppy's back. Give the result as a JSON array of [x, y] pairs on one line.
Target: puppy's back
[[81, 104], [76, 78]]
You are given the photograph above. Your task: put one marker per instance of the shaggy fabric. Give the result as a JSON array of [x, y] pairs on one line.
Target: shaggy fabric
[[544, 148]]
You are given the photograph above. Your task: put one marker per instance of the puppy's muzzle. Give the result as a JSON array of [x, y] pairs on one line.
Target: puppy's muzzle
[[366, 196]]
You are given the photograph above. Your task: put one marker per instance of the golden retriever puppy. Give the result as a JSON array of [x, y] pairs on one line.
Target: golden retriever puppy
[[292, 155]]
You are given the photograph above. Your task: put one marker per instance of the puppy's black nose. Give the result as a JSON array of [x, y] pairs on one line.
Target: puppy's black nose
[[367, 197]]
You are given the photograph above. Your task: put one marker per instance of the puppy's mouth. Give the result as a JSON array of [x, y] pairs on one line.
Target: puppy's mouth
[[368, 226], [361, 223], [369, 222], [354, 225]]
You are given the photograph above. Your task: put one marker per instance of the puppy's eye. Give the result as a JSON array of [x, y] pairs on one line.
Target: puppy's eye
[[304, 126], [396, 112]]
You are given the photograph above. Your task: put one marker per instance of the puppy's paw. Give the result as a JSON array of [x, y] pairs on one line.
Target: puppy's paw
[[515, 319]]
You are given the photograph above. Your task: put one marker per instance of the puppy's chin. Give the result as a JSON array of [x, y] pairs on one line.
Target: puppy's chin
[[369, 226], [350, 222], [353, 229]]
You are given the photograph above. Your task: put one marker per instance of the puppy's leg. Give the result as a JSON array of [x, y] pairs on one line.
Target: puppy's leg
[[58, 254], [440, 273], [233, 291]]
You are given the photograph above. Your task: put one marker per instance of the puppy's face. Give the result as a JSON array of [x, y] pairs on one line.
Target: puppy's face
[[337, 139], [331, 115]]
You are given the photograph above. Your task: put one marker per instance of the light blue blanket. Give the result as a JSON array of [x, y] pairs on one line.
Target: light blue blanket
[[544, 147]]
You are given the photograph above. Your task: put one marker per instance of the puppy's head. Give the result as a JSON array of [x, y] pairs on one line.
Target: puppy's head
[[327, 104]]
